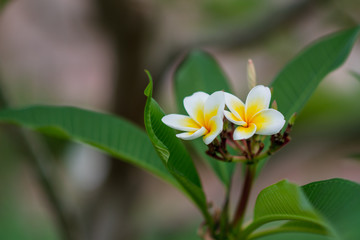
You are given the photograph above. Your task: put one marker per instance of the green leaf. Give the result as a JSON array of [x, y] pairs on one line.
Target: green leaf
[[285, 201], [223, 170], [338, 201], [295, 84], [303, 227], [111, 134], [298, 80], [334, 202], [173, 153], [295, 236], [200, 72]]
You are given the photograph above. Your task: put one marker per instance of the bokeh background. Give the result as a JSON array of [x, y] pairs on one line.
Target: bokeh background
[[92, 54]]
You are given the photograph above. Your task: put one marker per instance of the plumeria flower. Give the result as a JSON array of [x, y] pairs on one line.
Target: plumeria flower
[[253, 117], [205, 117]]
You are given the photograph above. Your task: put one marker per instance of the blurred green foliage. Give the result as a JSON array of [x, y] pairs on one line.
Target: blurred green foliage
[[16, 220], [3, 2], [232, 10], [185, 232], [329, 107]]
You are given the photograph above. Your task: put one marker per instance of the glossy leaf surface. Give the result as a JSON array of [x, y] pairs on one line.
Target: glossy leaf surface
[[298, 80], [173, 153], [324, 210], [295, 84], [111, 134]]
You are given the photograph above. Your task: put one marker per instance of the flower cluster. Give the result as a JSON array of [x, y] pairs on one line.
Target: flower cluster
[[238, 124], [206, 114]]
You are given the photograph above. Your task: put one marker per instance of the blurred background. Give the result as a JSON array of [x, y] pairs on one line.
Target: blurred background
[[92, 54]]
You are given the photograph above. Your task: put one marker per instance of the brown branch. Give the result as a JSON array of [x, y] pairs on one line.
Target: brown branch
[[245, 194], [125, 24]]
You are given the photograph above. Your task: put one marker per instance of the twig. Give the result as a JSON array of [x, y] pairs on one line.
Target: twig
[[245, 194]]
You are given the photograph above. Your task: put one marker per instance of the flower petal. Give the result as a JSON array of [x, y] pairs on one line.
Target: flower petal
[[258, 99], [268, 122], [214, 106], [233, 118], [192, 135], [194, 106], [180, 122], [235, 105], [244, 132], [215, 127]]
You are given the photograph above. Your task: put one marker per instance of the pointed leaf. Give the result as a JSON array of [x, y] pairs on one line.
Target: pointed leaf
[[111, 134], [295, 84], [298, 80], [173, 153]]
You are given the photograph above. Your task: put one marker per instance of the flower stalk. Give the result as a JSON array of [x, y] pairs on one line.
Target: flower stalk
[[244, 197]]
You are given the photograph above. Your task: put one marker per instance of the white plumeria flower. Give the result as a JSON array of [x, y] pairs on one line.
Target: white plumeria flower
[[205, 118], [254, 116]]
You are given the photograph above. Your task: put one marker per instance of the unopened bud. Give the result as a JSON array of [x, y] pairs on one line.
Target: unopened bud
[[292, 119], [277, 142], [251, 74], [274, 105], [271, 90]]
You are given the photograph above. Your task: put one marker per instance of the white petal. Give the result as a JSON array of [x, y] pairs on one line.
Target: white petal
[[268, 122], [258, 99], [233, 118], [244, 132], [192, 135], [215, 127], [214, 106], [235, 105], [180, 122], [194, 106]]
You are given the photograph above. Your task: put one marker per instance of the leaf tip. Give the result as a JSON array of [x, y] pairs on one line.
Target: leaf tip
[[148, 89]]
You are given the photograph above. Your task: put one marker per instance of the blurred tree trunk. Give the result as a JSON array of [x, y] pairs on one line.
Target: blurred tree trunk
[[126, 27]]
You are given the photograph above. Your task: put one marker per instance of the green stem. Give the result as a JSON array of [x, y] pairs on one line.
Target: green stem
[[224, 220], [210, 222]]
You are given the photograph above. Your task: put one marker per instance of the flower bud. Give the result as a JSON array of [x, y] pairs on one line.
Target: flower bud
[[251, 74], [292, 119], [274, 105]]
